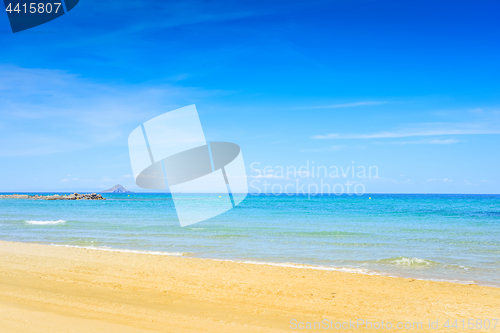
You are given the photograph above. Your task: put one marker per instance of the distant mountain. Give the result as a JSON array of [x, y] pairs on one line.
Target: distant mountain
[[117, 189]]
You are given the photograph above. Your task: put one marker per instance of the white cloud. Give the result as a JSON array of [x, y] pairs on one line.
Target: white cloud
[[69, 179], [326, 149], [445, 180], [423, 142], [53, 111], [427, 129], [345, 105]]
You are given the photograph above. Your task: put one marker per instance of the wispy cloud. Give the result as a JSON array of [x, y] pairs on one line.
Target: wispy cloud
[[326, 149], [69, 179], [54, 111], [166, 15], [445, 180], [422, 142], [426, 129], [344, 105]]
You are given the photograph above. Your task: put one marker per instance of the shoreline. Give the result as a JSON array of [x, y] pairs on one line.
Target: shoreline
[[91, 290], [343, 269]]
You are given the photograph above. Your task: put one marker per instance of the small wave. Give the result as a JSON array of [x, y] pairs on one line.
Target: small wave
[[408, 262], [323, 233], [45, 222], [157, 253], [303, 266], [227, 236]]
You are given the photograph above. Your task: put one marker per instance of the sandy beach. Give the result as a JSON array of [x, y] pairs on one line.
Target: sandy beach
[[47, 288]]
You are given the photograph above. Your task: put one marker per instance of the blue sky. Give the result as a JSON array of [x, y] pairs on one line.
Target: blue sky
[[411, 88]]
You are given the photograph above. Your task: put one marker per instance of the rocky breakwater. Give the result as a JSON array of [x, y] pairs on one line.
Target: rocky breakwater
[[74, 196], [14, 196]]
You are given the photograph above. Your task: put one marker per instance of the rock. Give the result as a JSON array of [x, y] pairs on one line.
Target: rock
[[74, 196], [14, 196]]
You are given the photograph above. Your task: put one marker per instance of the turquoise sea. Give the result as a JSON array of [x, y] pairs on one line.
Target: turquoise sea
[[435, 237]]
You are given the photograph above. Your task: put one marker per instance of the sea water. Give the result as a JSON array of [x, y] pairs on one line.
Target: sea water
[[435, 237]]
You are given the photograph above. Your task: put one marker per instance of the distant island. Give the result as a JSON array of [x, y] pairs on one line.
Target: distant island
[[117, 189]]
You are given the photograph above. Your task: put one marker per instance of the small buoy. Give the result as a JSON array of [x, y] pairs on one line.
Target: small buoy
[[220, 196], [370, 198]]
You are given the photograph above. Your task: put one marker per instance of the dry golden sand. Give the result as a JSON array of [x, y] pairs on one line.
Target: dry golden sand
[[58, 289]]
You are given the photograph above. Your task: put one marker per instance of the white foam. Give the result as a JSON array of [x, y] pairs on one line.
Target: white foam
[[180, 254], [45, 222], [353, 270], [156, 253], [408, 262], [319, 268]]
